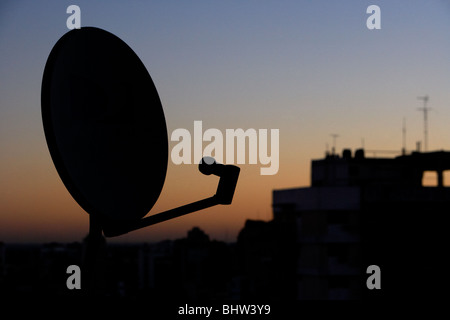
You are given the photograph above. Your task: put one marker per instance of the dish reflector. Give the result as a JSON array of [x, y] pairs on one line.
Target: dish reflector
[[104, 125]]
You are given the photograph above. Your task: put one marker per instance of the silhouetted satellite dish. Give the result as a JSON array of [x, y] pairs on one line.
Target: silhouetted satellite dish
[[104, 124], [107, 135]]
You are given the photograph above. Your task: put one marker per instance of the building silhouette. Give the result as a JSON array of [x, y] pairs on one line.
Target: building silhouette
[[357, 212], [266, 253], [362, 211]]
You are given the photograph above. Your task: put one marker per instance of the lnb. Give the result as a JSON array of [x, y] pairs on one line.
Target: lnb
[[228, 178]]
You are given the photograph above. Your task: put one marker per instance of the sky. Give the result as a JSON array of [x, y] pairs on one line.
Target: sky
[[307, 68]]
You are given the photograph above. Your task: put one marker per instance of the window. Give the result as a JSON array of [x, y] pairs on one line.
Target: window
[[446, 177], [429, 179]]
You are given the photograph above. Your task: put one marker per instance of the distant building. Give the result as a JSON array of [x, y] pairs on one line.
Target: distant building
[[194, 267], [363, 211], [266, 254], [203, 268], [2, 262]]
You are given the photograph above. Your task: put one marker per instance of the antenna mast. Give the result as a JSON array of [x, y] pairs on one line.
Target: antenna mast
[[404, 136], [333, 150], [425, 110]]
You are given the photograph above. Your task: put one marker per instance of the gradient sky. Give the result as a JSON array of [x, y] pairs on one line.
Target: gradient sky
[[307, 68]]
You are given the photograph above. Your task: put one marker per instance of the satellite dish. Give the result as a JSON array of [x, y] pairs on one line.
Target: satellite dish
[[107, 136], [106, 132], [104, 125]]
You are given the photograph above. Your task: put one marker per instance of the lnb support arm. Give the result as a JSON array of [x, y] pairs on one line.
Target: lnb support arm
[[228, 175]]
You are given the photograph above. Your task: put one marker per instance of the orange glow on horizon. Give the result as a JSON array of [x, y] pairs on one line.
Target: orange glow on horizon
[[37, 207]]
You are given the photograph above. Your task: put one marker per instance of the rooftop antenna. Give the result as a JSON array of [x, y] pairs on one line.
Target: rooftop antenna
[[333, 150], [404, 137], [425, 110]]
